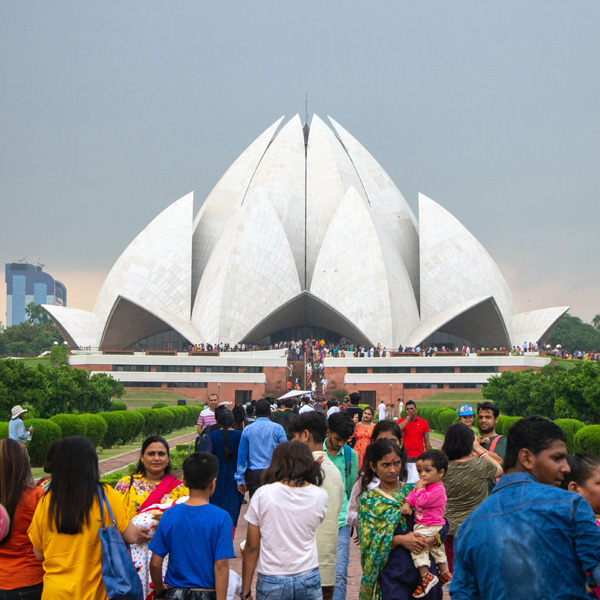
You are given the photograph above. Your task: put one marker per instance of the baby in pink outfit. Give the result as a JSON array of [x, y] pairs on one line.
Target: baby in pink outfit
[[428, 500]]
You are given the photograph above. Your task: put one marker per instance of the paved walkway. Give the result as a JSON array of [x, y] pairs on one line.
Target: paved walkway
[[108, 465]]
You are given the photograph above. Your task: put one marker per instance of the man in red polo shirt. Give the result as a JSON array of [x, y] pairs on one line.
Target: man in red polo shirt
[[415, 436]]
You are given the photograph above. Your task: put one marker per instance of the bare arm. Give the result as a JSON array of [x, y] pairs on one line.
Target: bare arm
[[403, 424], [156, 573], [39, 555], [426, 441], [486, 455], [250, 557], [133, 535], [480, 449], [221, 578]]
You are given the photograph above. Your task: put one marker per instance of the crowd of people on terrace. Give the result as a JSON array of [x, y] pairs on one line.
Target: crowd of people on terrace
[[317, 350], [493, 517]]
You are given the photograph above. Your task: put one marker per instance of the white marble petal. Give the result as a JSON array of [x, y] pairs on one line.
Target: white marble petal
[[386, 201], [329, 175], [156, 267], [534, 326], [354, 280], [225, 198], [77, 326], [455, 267], [280, 176], [250, 274]]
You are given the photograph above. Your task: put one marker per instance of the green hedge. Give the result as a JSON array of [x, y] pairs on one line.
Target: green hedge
[[151, 419], [45, 433], [166, 419], [570, 427], [435, 415], [118, 405], [194, 413], [115, 422], [96, 428], [133, 425], [587, 439], [70, 424], [446, 418], [3, 430], [181, 416], [159, 405], [500, 424], [508, 423]]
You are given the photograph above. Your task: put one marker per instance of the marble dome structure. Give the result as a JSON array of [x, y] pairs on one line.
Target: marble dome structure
[[305, 229]]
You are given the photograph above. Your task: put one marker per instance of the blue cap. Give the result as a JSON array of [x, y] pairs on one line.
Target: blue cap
[[465, 411]]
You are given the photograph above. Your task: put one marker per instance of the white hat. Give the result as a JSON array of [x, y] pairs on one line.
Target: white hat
[[17, 411]]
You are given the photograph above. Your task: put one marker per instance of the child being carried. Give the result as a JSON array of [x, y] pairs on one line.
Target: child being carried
[[428, 500]]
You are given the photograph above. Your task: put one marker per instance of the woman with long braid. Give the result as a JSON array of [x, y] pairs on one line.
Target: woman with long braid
[[225, 443]]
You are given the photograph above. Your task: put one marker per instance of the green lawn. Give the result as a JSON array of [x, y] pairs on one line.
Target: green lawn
[[32, 362], [146, 398], [452, 399]]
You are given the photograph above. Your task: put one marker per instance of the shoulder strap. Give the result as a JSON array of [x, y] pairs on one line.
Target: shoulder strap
[[494, 443], [348, 462], [101, 500]]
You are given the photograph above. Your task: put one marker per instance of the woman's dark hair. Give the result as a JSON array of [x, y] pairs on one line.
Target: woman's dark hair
[[15, 475], [239, 417], [74, 485], [458, 442], [387, 425], [225, 420], [373, 454], [293, 462], [153, 439], [534, 433], [51, 456], [250, 410], [582, 468]]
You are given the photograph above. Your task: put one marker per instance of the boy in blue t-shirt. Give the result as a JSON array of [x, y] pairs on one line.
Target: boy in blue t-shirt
[[197, 536]]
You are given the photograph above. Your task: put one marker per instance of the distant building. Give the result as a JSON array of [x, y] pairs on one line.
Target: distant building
[[26, 283]]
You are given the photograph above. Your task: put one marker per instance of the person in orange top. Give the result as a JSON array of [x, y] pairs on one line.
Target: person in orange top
[[362, 434], [20, 572]]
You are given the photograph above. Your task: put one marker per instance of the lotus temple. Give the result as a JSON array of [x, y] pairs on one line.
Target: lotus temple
[[305, 235]]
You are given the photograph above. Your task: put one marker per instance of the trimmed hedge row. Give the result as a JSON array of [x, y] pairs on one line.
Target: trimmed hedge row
[[580, 437], [106, 429]]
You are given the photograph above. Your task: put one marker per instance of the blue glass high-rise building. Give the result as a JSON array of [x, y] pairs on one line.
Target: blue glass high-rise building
[[26, 283]]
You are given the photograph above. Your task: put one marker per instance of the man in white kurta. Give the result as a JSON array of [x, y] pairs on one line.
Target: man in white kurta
[[311, 428]]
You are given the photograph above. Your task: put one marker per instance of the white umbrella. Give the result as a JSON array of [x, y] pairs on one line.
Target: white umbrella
[[293, 394]]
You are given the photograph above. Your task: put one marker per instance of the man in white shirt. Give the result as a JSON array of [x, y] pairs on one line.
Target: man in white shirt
[[305, 405], [381, 410], [311, 429]]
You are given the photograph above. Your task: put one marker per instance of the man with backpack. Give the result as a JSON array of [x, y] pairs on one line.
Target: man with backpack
[[493, 443], [340, 428]]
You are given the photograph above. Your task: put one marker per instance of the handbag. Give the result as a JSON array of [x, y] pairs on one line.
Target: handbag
[[118, 573]]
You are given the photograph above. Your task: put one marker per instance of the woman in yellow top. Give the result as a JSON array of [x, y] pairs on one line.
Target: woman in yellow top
[[152, 480], [64, 529]]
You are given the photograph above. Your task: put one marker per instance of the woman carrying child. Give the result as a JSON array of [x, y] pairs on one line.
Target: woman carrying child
[[387, 537], [428, 500]]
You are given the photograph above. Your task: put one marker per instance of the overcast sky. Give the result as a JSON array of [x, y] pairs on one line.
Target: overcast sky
[[111, 111]]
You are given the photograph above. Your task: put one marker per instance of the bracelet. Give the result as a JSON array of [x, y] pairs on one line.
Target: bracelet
[[482, 454], [246, 596]]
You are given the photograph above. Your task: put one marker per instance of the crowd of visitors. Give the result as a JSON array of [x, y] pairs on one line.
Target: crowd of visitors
[[484, 515]]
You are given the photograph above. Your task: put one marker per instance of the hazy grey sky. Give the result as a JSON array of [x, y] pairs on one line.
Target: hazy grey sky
[[111, 111]]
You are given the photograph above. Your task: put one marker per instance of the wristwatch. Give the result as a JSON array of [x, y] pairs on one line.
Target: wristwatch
[[161, 594], [246, 596]]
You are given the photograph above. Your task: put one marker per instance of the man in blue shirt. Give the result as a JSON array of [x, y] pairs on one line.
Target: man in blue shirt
[[256, 448], [529, 539]]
